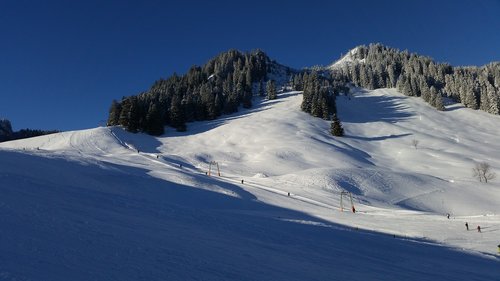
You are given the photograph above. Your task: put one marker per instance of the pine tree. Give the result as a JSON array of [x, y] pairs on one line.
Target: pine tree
[[336, 127], [247, 99], [438, 99], [271, 90], [494, 100], [124, 113], [134, 116], [249, 80], [325, 109], [114, 114], [154, 121], [177, 118], [260, 90]]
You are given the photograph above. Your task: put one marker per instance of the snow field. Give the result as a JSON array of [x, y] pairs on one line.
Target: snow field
[[106, 204]]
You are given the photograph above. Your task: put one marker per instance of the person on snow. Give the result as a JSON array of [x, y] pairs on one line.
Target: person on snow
[[478, 228], [466, 226]]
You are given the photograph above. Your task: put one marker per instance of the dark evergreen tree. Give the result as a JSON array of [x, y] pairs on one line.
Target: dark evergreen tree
[[325, 110], [271, 90], [114, 114], [154, 121], [133, 116], [125, 113], [247, 99], [260, 89], [177, 118], [336, 127]]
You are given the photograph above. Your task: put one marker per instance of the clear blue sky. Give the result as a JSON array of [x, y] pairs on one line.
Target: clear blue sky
[[63, 62]]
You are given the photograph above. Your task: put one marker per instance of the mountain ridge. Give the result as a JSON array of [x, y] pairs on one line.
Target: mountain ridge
[[229, 80]]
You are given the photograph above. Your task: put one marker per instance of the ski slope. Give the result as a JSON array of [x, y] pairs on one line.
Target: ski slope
[[105, 204]]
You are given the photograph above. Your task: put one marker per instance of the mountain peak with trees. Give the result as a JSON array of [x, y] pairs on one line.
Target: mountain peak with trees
[[378, 66], [205, 92], [233, 78]]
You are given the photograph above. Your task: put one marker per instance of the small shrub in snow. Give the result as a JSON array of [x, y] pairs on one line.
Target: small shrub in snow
[[483, 172]]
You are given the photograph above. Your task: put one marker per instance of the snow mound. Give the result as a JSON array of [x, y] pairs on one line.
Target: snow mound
[[260, 175]]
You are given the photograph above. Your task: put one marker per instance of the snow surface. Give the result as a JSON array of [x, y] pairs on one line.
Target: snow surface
[[346, 60], [104, 204]]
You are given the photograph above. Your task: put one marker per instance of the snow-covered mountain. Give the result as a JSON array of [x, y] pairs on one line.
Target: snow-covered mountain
[[347, 59], [104, 204]]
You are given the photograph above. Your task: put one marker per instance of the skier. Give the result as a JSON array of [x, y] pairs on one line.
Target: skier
[[448, 216], [241, 181], [288, 194], [466, 226], [478, 228]]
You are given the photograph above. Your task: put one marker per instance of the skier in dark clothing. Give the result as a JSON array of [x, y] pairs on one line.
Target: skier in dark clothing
[[478, 228], [466, 226]]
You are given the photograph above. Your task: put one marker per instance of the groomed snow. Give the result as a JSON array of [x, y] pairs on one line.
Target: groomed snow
[[104, 204]]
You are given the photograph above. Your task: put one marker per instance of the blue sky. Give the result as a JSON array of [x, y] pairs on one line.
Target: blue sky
[[63, 62]]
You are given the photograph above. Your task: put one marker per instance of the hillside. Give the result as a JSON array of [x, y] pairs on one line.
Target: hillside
[[107, 204]]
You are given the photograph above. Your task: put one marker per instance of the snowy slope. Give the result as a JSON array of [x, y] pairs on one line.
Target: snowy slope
[[346, 60], [104, 204]]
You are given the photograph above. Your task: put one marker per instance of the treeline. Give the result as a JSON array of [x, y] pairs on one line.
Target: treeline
[[414, 75], [204, 93], [6, 133]]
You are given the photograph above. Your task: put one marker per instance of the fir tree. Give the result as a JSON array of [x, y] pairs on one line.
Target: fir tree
[[134, 116], [114, 114], [336, 127], [177, 118], [124, 113], [247, 99], [260, 89], [154, 121], [271, 90]]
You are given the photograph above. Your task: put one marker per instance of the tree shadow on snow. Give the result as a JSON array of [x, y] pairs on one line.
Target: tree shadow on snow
[[379, 138], [365, 109], [141, 142]]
